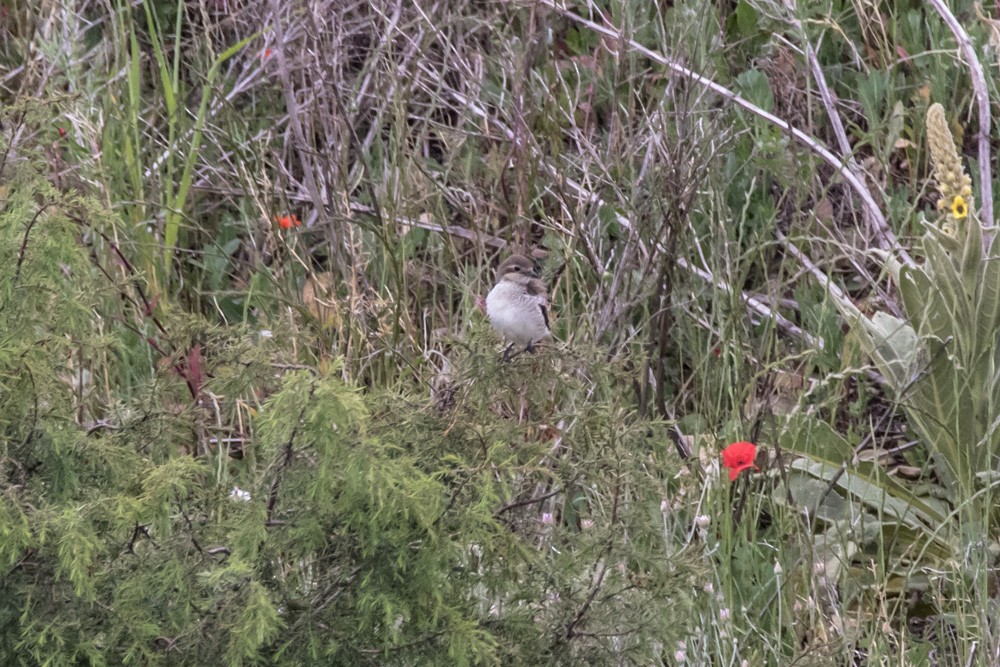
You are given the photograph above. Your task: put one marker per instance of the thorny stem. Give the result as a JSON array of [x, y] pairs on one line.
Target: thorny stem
[[24, 243], [147, 307], [286, 461], [602, 570]]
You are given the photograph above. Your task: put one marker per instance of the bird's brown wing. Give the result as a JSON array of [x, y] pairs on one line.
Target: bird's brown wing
[[536, 288], [545, 315]]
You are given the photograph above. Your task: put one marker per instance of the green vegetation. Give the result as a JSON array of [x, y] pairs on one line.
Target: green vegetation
[[251, 412]]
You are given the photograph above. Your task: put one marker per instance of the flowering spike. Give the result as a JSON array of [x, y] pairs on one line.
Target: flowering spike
[[953, 183]]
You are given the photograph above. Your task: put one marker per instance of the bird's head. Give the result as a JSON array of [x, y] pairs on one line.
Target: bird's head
[[517, 269]]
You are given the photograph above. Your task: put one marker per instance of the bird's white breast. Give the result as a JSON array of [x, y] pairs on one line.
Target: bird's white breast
[[516, 314]]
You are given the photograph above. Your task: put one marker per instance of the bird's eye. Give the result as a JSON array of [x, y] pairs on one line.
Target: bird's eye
[[517, 268]]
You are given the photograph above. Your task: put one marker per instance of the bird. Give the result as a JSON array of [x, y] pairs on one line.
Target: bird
[[518, 305]]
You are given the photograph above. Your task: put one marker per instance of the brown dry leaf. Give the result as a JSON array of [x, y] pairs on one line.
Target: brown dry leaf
[[874, 456], [548, 433], [787, 388], [824, 210], [708, 453], [992, 24], [319, 298], [908, 472]]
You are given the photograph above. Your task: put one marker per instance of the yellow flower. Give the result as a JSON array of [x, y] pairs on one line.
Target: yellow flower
[[959, 209]]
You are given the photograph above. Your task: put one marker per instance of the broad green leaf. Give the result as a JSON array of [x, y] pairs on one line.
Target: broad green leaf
[[922, 303], [949, 285], [972, 254], [819, 443], [897, 121], [885, 497], [940, 407], [746, 19], [806, 434], [753, 85], [896, 347], [988, 304], [815, 496]]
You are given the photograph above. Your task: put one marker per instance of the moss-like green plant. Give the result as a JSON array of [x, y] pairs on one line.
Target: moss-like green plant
[[368, 528]]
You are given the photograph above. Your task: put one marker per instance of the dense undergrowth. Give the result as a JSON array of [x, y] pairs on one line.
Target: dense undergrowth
[[251, 411]]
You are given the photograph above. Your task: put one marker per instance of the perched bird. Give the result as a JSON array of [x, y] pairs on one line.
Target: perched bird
[[518, 305]]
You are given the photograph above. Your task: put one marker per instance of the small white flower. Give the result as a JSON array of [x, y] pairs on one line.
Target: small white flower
[[586, 524], [703, 521], [239, 495], [266, 333], [664, 506], [680, 655], [709, 588], [778, 569], [547, 517], [724, 614]]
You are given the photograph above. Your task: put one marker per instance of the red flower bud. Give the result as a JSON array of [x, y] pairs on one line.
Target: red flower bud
[[287, 221]]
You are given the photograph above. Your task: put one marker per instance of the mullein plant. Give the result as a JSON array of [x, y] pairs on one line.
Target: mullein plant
[[953, 304], [942, 361]]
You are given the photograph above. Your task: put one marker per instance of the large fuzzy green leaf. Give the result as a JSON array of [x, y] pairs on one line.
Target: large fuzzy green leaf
[[889, 500], [895, 348], [924, 304], [972, 254], [825, 452], [988, 306], [948, 291], [940, 405]]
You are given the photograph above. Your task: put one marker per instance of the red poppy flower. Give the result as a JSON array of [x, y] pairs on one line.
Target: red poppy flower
[[287, 221], [738, 457]]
